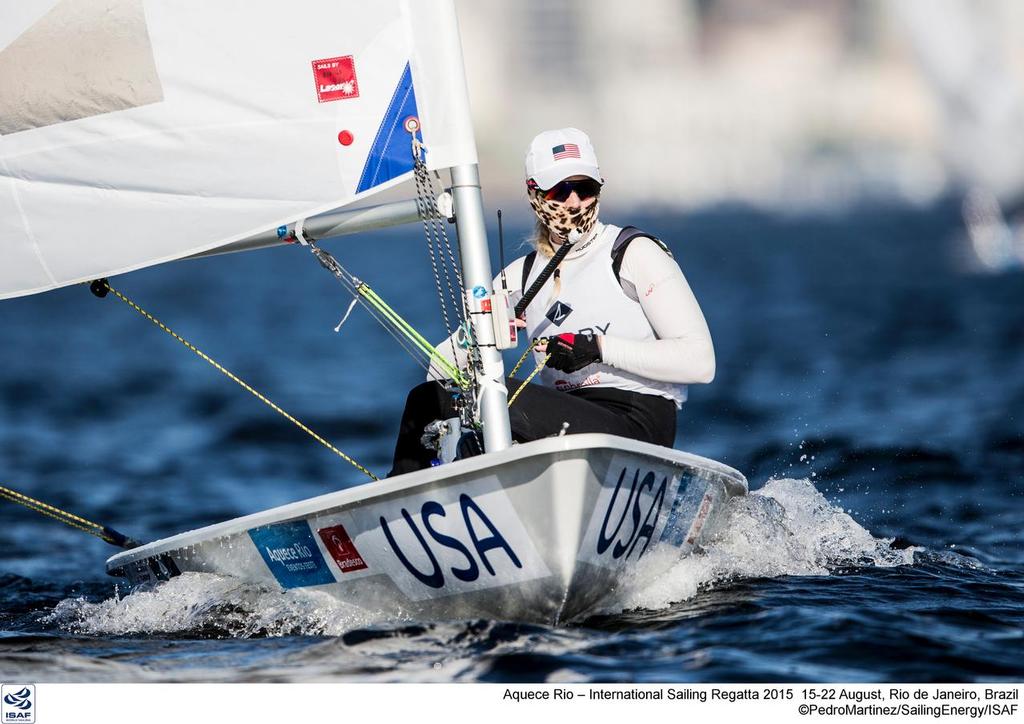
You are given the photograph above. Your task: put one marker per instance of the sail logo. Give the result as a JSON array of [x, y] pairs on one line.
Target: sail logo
[[339, 544], [474, 541], [18, 703], [335, 78]]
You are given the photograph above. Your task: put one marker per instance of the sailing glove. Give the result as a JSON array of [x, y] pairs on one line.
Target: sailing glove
[[572, 352]]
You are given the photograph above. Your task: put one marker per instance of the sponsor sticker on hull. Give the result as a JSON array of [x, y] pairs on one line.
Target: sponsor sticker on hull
[[690, 509], [291, 554], [342, 549]]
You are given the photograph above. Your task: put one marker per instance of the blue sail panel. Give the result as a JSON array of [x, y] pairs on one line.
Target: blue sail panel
[[391, 154]]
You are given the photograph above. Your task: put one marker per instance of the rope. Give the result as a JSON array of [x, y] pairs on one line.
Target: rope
[[426, 205], [411, 341], [436, 234], [427, 197], [87, 526], [417, 339], [234, 378], [348, 312], [526, 353], [540, 366], [352, 284]]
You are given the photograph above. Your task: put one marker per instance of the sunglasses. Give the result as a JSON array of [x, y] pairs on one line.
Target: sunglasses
[[586, 188]]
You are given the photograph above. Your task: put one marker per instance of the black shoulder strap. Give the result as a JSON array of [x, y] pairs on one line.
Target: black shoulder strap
[[625, 236], [528, 267]]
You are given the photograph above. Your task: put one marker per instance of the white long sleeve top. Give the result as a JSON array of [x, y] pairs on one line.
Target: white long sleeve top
[[682, 352]]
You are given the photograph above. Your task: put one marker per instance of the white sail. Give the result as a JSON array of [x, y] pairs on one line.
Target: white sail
[[139, 131]]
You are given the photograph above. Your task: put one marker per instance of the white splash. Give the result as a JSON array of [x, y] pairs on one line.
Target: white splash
[[786, 528], [204, 603]]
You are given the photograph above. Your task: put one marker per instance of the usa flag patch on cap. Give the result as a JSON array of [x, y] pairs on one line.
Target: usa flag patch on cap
[[566, 150]]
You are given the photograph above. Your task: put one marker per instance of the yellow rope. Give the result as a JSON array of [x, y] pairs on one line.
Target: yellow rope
[[15, 497], [102, 532], [53, 512], [529, 349], [240, 382], [533, 374]]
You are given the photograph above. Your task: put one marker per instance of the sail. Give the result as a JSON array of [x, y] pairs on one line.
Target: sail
[[134, 132]]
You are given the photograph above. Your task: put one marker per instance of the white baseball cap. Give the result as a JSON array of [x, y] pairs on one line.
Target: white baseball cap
[[557, 155]]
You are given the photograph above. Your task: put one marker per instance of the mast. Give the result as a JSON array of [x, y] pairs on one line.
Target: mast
[[476, 272]]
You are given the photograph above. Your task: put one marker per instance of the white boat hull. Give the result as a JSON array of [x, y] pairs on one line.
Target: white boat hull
[[541, 532]]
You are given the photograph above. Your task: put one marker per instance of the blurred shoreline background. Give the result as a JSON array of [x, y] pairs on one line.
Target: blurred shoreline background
[[792, 106]]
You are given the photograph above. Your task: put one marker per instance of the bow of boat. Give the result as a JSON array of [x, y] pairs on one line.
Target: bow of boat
[[543, 532]]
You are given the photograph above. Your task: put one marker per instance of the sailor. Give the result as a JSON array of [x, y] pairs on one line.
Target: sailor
[[625, 332]]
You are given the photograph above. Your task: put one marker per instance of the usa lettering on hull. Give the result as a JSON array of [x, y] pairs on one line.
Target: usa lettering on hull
[[458, 539], [640, 506]]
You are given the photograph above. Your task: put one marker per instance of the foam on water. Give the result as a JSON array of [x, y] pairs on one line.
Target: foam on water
[[209, 605], [786, 528]]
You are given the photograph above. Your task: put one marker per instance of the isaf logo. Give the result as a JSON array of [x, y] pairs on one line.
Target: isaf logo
[[19, 703], [558, 313]]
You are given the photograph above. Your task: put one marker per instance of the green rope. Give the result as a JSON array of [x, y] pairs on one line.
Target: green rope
[[412, 335], [389, 316]]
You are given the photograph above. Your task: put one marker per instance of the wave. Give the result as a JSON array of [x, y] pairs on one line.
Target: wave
[[786, 528], [205, 605]]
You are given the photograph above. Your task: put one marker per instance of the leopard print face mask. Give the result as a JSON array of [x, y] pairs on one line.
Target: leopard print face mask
[[559, 219]]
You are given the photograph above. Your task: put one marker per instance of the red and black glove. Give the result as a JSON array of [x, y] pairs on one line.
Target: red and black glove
[[572, 352]]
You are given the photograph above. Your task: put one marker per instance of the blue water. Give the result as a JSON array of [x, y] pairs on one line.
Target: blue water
[[870, 385]]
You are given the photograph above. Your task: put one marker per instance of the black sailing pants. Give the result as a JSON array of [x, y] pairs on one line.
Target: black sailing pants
[[540, 412]]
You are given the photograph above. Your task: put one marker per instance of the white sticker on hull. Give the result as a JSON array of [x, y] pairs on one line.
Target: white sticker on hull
[[640, 505], [453, 540]]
